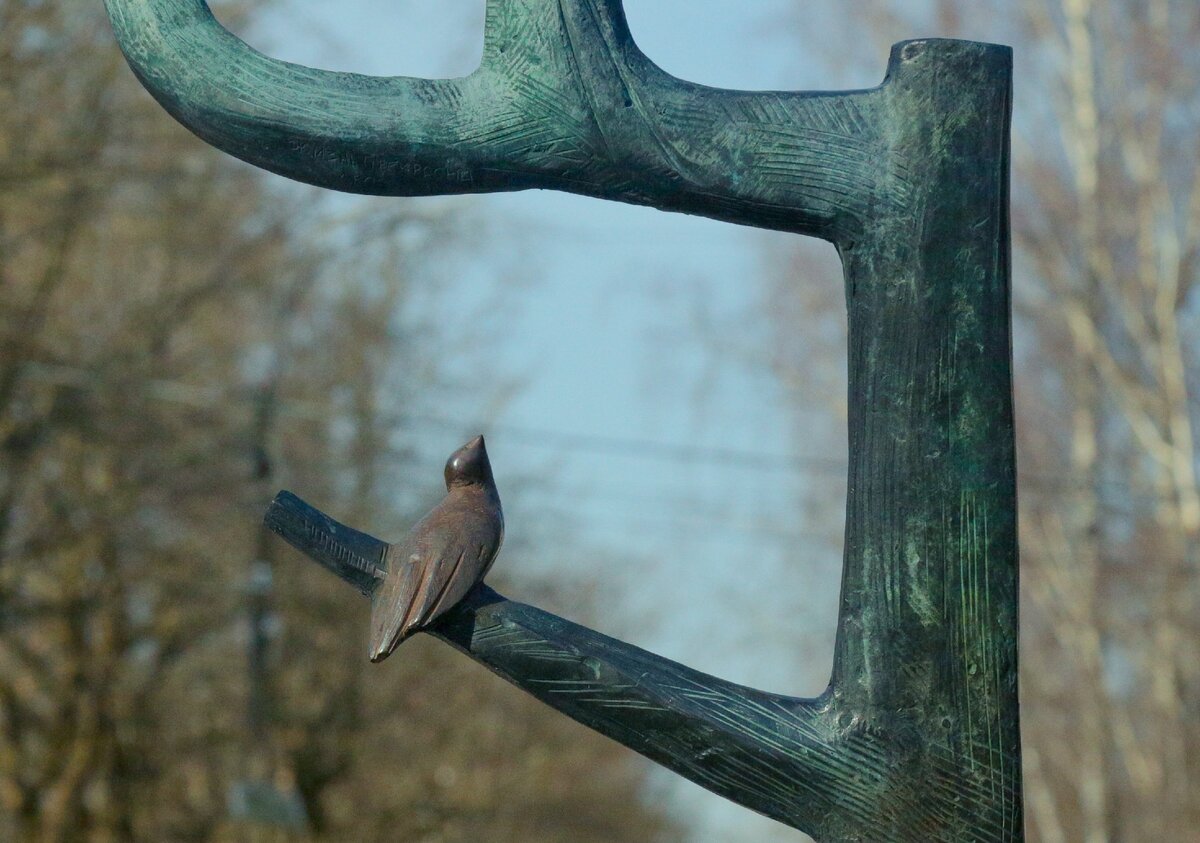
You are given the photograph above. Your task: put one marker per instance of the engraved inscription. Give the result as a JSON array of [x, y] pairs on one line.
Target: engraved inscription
[[322, 540], [451, 171]]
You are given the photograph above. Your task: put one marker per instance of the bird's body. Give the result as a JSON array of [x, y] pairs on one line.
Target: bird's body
[[441, 559], [413, 582]]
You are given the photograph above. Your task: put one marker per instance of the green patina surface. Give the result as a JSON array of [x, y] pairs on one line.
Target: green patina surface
[[917, 737]]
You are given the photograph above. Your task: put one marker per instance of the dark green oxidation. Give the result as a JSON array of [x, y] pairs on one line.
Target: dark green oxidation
[[917, 737]]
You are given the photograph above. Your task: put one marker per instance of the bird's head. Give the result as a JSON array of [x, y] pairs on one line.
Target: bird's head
[[469, 466]]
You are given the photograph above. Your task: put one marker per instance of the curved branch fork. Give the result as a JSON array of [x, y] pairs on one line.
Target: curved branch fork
[[563, 99], [825, 766], [790, 759], [917, 737]]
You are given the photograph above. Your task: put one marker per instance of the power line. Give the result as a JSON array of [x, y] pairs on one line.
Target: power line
[[650, 449], [206, 396]]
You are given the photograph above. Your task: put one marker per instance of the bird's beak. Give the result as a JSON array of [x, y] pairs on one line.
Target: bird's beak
[[477, 442]]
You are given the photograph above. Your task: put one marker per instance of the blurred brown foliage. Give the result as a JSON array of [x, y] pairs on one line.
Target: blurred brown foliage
[[180, 336], [1106, 239]]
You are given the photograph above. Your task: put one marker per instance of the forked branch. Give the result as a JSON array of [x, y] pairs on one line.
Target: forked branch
[[917, 738], [563, 99]]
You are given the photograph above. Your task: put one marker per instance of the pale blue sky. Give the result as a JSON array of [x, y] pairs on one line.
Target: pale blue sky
[[605, 339]]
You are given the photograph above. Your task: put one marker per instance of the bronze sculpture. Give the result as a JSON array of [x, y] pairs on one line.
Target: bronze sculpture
[[414, 582], [917, 737]]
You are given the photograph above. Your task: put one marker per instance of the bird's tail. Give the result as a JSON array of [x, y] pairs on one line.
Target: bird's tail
[[357, 558]]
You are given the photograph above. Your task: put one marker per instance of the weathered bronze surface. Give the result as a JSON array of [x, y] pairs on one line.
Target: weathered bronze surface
[[917, 737]]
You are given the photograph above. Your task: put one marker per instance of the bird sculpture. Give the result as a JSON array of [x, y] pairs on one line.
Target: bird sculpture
[[415, 581]]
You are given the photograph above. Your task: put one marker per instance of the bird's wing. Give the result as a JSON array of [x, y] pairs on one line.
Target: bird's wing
[[390, 603], [447, 581], [426, 577]]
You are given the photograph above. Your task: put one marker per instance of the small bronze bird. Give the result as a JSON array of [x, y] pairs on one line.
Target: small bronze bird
[[415, 581]]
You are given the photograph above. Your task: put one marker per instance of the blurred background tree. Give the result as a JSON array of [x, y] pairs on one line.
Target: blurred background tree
[[179, 337], [1106, 237]]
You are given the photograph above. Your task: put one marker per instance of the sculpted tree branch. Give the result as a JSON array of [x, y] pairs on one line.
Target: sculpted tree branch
[[917, 737], [563, 100]]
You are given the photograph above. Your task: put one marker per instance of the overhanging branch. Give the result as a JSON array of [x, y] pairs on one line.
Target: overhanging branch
[[564, 99]]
